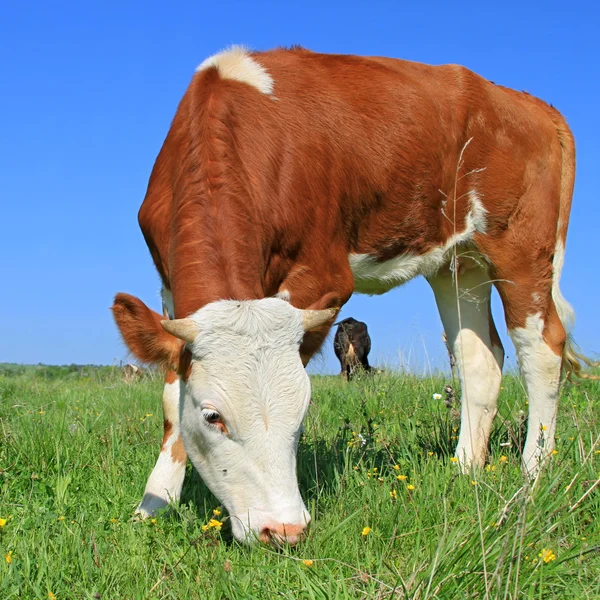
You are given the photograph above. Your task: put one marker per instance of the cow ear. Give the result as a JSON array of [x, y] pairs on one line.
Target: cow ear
[[143, 334]]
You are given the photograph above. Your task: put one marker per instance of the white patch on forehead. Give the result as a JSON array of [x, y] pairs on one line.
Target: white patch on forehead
[[231, 322], [374, 277], [236, 63]]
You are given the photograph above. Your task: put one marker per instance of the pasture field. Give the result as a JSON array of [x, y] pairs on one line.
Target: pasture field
[[392, 517]]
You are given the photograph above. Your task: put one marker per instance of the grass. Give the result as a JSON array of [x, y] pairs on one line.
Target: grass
[[75, 453]]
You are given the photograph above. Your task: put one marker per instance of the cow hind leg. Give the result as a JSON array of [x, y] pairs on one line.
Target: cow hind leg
[[539, 337], [463, 299], [166, 480]]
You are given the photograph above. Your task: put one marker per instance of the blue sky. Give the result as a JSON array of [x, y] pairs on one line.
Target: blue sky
[[88, 92]]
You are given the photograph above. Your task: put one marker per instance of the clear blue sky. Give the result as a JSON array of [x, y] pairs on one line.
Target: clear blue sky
[[89, 90]]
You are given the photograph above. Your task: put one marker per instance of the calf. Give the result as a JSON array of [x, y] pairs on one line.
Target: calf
[[289, 180]]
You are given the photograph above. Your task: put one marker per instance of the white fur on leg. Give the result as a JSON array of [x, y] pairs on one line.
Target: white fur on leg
[[540, 368], [166, 480], [479, 361], [480, 380]]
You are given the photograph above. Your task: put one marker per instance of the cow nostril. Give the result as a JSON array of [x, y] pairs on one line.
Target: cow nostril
[[266, 536], [283, 534]]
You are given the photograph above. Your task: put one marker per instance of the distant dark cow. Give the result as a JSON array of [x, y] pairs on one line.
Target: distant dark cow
[[352, 345]]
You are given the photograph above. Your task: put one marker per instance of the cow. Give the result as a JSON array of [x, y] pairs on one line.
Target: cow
[[352, 345], [131, 372], [289, 180]]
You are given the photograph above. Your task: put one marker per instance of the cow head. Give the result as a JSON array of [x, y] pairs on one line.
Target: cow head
[[244, 396]]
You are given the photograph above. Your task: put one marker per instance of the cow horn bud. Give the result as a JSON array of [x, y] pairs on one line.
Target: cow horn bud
[[315, 318], [184, 329]]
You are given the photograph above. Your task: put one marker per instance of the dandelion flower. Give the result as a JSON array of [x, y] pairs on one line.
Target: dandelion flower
[[454, 459], [216, 524], [430, 453], [437, 396], [366, 531], [547, 555], [61, 518], [8, 558], [393, 494], [544, 427], [3, 523], [149, 414], [396, 467], [204, 527], [401, 477], [473, 482], [410, 487], [51, 596], [554, 452], [217, 512], [153, 521], [503, 459], [307, 562]]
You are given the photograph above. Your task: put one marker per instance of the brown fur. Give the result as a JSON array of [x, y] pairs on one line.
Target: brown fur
[[251, 195]]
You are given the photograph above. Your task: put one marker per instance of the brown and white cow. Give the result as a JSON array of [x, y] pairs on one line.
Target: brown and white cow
[[290, 179]]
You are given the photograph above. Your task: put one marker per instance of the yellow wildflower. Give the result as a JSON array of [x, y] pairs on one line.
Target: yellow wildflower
[[401, 477], [366, 531], [393, 494], [8, 558], [216, 524], [153, 521], [554, 452], [503, 459], [2, 523], [410, 487], [113, 520], [204, 527], [51, 596], [544, 427], [454, 459], [308, 563], [149, 415], [473, 482], [396, 467], [42, 412], [430, 453], [61, 518], [217, 512], [547, 555]]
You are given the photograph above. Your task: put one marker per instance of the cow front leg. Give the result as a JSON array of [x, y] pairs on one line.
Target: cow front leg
[[166, 480]]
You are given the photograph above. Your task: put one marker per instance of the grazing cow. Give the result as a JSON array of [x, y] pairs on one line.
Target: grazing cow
[[352, 345], [131, 372], [290, 179]]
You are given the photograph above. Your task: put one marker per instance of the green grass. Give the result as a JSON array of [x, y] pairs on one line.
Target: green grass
[[75, 454]]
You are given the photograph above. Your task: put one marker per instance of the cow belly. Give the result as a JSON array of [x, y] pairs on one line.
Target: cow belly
[[374, 277]]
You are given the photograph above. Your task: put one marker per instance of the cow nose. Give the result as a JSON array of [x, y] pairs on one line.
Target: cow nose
[[284, 533]]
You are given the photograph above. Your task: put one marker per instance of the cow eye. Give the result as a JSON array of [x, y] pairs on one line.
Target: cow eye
[[211, 416]]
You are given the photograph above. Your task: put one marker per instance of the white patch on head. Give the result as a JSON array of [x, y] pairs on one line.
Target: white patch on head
[[540, 367], [236, 63], [374, 277], [167, 301], [246, 366]]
